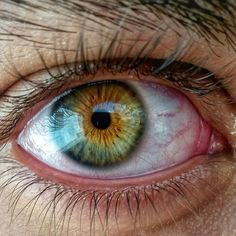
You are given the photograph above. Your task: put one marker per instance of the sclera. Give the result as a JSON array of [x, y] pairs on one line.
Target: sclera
[[175, 132]]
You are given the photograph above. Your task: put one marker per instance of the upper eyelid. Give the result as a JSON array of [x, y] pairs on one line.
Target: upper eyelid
[[23, 103], [110, 53], [20, 104]]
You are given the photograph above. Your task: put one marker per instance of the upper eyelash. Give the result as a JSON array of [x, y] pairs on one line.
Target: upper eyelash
[[181, 74]]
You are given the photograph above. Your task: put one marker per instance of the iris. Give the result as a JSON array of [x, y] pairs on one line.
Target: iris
[[98, 124]]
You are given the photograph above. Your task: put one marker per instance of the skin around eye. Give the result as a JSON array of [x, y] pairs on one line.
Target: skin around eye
[[117, 130]]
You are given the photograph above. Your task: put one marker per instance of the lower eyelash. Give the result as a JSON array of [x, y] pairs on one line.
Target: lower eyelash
[[64, 201]]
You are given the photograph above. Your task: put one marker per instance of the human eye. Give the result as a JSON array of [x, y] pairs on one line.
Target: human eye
[[104, 130], [130, 133]]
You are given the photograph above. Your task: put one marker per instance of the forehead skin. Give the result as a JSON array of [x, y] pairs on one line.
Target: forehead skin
[[48, 26]]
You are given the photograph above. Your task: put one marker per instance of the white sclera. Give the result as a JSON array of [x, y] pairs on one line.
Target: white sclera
[[174, 133]]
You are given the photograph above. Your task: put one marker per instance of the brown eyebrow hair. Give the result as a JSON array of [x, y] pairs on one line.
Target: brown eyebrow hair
[[208, 19]]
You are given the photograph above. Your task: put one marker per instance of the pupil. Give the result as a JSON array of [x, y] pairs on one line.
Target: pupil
[[101, 120]]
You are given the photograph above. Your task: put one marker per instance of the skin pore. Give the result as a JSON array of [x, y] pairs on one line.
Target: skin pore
[[37, 36]]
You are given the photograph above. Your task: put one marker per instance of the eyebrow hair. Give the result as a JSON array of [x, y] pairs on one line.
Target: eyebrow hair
[[207, 19]]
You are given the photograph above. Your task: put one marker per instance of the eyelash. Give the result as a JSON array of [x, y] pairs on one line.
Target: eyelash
[[20, 178], [181, 75]]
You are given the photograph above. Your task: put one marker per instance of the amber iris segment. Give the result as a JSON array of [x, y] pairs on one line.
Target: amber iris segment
[[99, 124]]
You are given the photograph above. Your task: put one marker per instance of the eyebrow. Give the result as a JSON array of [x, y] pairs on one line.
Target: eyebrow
[[206, 19]]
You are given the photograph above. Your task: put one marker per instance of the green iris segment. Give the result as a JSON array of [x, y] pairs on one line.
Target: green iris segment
[[98, 124]]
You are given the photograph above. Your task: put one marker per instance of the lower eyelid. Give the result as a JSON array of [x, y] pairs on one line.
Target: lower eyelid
[[74, 181], [182, 193]]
